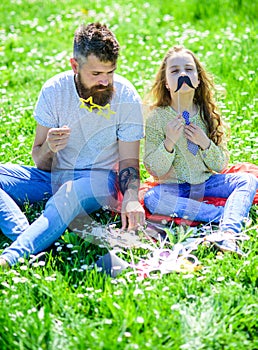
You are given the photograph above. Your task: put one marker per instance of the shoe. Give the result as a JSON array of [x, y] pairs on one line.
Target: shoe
[[111, 264], [229, 246], [155, 230], [226, 241]]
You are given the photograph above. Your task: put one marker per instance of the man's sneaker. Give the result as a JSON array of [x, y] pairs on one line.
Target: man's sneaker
[[111, 264]]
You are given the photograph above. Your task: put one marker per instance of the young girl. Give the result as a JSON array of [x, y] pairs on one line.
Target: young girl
[[186, 150]]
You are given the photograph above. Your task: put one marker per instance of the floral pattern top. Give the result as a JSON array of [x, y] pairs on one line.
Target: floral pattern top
[[181, 165]]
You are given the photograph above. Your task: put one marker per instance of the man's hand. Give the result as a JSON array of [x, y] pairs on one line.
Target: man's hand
[[132, 213], [47, 142], [57, 138]]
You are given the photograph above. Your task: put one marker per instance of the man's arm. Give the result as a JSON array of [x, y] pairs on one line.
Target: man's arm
[[41, 153], [48, 141], [129, 182]]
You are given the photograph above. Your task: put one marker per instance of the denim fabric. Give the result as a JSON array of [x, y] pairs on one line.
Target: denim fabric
[[72, 193], [20, 184], [184, 200]]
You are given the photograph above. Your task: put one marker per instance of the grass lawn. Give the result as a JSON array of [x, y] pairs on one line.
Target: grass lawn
[[63, 304]]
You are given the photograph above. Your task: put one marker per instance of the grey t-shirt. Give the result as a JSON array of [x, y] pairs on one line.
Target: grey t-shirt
[[93, 142]]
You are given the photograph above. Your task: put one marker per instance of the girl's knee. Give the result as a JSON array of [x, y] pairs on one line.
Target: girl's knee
[[150, 200], [249, 181], [254, 183], [254, 179]]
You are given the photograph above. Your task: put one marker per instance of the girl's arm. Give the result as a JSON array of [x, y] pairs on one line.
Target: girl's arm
[[216, 158], [157, 159]]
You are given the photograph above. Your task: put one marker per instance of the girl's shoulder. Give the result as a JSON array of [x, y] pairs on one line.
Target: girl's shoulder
[[160, 112]]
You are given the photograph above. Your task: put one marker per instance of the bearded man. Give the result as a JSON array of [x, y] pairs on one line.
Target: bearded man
[[89, 126]]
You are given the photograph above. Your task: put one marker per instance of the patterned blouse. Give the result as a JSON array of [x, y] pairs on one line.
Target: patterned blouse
[[181, 165]]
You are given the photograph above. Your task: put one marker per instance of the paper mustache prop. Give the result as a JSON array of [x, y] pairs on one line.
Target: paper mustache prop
[[182, 80]]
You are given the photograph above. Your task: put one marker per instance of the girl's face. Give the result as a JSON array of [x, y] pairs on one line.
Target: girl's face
[[181, 64]]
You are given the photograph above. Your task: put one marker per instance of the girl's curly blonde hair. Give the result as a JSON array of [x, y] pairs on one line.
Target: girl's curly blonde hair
[[203, 96]]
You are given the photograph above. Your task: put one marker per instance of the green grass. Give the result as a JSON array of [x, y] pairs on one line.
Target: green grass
[[64, 305]]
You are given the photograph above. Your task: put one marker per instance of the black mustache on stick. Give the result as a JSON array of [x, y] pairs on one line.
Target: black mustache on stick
[[184, 79]]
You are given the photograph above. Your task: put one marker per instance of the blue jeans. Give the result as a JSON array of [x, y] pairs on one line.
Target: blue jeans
[[71, 193], [183, 200]]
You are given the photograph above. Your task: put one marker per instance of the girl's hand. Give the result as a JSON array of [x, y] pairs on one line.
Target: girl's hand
[[195, 134], [174, 130]]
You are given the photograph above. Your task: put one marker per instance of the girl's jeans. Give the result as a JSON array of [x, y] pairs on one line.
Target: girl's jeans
[[71, 193], [183, 200]]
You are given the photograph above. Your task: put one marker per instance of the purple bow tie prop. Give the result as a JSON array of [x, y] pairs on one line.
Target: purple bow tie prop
[[192, 147]]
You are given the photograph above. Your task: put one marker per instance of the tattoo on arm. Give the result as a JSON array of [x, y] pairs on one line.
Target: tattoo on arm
[[129, 178]]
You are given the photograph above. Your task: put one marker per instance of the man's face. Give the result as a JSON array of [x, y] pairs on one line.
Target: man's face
[[95, 78]]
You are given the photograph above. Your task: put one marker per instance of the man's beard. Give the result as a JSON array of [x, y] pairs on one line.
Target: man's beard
[[101, 95]]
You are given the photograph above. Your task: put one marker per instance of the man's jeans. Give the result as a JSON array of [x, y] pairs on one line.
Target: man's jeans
[[71, 193], [183, 200]]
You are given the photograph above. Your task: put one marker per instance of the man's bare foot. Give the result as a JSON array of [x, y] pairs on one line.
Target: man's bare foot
[[4, 264]]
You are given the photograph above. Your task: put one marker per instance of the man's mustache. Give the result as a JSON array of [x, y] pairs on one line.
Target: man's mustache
[[101, 88], [182, 80]]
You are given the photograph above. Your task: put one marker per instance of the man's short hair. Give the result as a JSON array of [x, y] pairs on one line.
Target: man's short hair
[[95, 39]]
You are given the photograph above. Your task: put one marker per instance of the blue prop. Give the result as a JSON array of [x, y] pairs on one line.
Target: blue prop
[[192, 147]]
